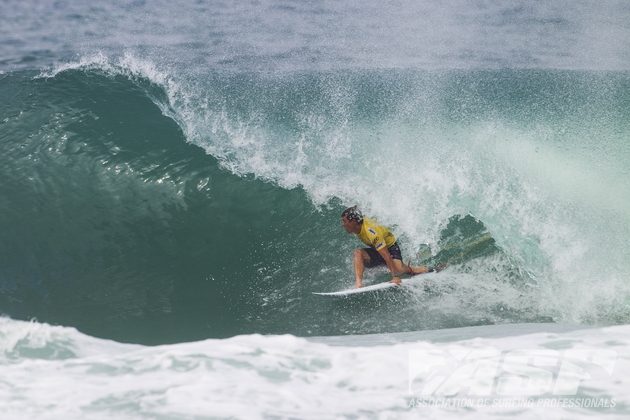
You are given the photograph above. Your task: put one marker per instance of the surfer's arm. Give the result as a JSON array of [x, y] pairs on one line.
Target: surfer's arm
[[390, 264]]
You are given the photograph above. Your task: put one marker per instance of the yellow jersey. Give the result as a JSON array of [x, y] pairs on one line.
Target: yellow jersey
[[375, 235]]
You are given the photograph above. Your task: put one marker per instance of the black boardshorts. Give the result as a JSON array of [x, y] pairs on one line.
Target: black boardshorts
[[376, 259]]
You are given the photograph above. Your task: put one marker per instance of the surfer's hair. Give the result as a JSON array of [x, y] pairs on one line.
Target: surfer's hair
[[353, 213]]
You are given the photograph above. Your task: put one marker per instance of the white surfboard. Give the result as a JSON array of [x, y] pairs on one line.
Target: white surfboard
[[379, 286]]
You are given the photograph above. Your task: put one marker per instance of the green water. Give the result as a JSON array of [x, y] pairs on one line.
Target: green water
[[114, 222]]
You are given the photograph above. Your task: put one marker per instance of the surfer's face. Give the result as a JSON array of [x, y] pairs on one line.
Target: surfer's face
[[348, 225]]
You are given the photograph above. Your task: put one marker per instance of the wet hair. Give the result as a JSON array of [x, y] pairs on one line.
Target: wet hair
[[353, 213]]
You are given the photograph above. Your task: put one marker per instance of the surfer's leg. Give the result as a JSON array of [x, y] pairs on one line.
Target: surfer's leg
[[400, 266], [421, 269], [403, 268], [361, 260]]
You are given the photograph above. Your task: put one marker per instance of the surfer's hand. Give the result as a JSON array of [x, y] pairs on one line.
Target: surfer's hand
[[395, 280]]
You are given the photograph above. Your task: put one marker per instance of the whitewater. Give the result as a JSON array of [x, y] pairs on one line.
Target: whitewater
[[438, 374], [173, 175]]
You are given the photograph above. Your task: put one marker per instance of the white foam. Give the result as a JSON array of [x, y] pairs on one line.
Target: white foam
[[256, 376]]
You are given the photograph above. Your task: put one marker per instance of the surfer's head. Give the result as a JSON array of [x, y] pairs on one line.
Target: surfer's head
[[351, 218]]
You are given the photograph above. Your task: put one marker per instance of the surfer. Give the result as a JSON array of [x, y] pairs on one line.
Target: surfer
[[382, 248]]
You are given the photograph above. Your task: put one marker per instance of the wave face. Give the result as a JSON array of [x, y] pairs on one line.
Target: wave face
[[145, 207], [175, 170]]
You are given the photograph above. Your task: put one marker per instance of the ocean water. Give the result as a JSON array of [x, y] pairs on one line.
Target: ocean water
[[172, 179]]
